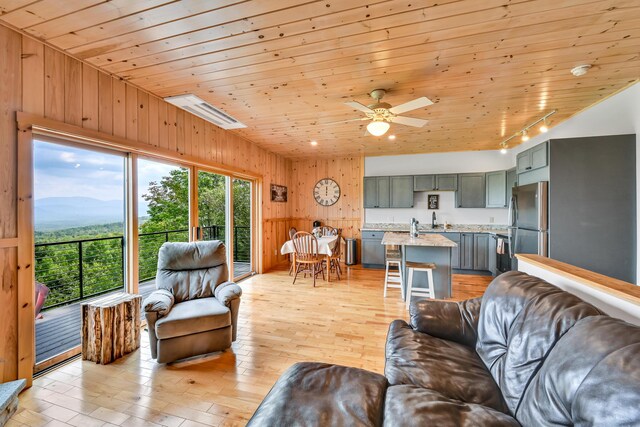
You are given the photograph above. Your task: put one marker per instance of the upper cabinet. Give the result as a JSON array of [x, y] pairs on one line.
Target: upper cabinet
[[401, 191], [471, 190], [445, 182], [424, 183], [532, 159], [388, 192], [376, 192], [496, 189]]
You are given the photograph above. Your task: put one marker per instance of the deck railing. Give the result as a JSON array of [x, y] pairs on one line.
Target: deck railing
[[75, 270]]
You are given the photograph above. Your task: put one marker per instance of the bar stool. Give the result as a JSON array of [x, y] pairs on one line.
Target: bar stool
[[392, 278], [427, 292]]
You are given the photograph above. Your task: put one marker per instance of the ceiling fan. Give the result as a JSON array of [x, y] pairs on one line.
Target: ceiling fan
[[382, 114]]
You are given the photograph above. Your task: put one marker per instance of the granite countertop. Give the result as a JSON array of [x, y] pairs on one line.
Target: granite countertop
[[453, 228], [404, 239]]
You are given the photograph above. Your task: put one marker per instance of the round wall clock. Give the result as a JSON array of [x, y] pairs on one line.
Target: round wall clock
[[326, 192]]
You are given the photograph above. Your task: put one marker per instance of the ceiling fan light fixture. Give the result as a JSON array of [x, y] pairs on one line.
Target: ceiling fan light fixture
[[378, 128]]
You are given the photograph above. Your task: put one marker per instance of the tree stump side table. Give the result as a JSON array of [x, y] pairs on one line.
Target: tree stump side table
[[110, 327]]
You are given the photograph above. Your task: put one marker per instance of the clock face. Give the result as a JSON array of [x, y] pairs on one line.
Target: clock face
[[326, 192]]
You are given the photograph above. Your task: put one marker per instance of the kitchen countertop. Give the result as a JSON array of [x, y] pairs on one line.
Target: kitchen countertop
[[461, 228], [404, 239]]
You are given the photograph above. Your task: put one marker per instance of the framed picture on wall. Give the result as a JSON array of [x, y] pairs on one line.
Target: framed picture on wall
[[433, 201], [278, 193]]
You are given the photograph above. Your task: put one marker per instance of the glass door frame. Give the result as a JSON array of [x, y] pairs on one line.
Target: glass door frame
[[128, 244], [229, 222]]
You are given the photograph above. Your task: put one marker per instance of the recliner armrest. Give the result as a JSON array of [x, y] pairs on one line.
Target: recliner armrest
[[160, 301], [453, 321], [227, 292]]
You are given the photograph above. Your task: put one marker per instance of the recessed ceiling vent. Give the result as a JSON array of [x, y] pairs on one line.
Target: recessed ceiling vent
[[202, 109]]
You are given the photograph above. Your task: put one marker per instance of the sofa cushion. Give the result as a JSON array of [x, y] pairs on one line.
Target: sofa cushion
[[591, 378], [408, 405], [521, 319], [318, 394], [453, 369], [191, 317]]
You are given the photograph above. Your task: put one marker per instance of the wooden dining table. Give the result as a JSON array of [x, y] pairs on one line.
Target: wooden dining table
[[325, 247]]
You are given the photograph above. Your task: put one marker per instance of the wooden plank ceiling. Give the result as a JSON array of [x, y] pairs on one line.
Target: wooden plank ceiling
[[286, 67]]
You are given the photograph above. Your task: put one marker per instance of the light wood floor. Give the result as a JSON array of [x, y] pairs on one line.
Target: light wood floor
[[342, 322]]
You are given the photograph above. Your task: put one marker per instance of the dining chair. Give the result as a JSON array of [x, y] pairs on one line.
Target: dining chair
[[292, 232], [329, 231], [307, 258], [334, 259]]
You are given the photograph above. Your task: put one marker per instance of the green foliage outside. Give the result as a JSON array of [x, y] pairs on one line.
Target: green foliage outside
[[57, 266]]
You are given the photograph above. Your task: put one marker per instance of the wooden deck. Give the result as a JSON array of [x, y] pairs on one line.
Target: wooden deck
[[59, 329]]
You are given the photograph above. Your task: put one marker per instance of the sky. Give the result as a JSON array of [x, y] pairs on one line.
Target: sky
[[66, 171]]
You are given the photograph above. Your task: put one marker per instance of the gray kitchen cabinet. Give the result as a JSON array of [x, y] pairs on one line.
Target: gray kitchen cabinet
[[377, 192], [481, 251], [372, 252], [512, 181], [496, 193], [401, 191], [466, 251], [423, 182], [471, 190], [446, 182], [493, 243], [532, 159], [455, 252], [539, 156]]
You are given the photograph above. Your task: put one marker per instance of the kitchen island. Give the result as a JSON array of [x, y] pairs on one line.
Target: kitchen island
[[432, 248]]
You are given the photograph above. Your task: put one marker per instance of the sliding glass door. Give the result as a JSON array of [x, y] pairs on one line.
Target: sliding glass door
[[79, 212], [242, 230], [163, 214]]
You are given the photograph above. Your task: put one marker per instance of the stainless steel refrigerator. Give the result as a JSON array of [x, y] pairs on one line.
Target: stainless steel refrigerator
[[528, 220]]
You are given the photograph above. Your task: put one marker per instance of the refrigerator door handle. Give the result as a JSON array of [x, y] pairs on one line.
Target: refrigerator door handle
[[513, 235]]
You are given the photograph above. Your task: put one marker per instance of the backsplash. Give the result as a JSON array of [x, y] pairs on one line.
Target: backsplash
[[447, 212]]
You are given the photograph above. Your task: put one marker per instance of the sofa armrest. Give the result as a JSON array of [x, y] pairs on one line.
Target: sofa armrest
[[227, 292], [453, 321], [160, 301]]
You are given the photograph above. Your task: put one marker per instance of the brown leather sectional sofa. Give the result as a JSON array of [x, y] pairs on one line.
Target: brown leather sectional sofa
[[526, 353]]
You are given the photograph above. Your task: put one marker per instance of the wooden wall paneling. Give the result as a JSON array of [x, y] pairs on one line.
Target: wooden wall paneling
[[171, 127], [180, 134], [154, 121], [143, 116], [72, 91], [163, 133], [186, 131], [8, 315], [25, 258], [54, 93], [10, 101], [33, 75], [118, 90], [90, 94], [105, 103], [131, 112]]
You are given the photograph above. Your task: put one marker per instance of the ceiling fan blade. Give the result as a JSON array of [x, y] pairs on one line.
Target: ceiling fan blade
[[347, 121], [409, 121], [411, 105], [358, 106]]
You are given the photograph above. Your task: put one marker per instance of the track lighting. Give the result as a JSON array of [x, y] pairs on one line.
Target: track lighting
[[524, 132], [544, 128]]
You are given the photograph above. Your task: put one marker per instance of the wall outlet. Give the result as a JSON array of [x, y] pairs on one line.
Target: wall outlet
[[491, 220]]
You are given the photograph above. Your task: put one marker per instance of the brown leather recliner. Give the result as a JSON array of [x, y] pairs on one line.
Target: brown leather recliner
[[194, 310], [526, 353]]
